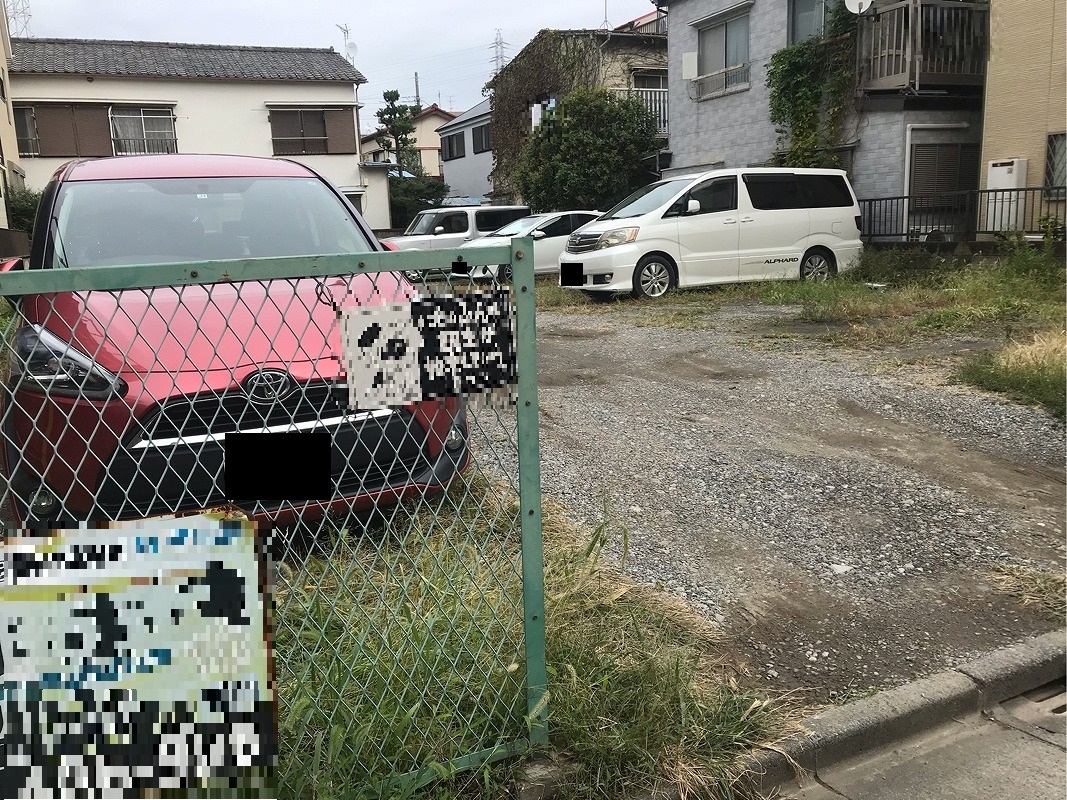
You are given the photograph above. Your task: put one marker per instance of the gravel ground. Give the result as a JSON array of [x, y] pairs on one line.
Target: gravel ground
[[835, 522]]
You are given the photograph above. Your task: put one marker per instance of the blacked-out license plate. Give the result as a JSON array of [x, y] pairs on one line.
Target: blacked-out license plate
[[571, 275]]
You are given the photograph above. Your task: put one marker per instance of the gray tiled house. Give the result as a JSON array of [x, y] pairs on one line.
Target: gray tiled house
[[917, 124]]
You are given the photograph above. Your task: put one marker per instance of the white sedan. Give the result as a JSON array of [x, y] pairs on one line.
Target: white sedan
[[549, 231]]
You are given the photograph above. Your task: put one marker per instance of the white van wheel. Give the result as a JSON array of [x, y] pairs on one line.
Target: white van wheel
[[818, 265], [652, 277]]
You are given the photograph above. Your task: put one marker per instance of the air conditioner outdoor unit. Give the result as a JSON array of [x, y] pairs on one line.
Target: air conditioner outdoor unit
[[1005, 206]]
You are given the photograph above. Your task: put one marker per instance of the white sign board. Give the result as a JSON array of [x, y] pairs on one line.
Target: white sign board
[[134, 659]]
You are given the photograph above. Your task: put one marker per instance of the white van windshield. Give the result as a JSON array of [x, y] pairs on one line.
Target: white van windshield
[[423, 223], [646, 199]]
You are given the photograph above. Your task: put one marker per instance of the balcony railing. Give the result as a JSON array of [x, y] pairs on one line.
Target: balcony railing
[[655, 100], [135, 147], [721, 82], [923, 43]]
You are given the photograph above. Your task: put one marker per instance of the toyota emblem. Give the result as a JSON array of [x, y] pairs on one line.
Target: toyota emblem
[[268, 386]]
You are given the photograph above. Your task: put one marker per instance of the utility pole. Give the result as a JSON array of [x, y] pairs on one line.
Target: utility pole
[[418, 100], [18, 17]]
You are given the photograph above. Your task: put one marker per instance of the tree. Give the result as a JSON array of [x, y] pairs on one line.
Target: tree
[[409, 196], [590, 151], [397, 126], [22, 208]]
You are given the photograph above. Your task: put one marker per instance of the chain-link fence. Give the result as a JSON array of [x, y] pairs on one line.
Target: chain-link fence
[[409, 631]]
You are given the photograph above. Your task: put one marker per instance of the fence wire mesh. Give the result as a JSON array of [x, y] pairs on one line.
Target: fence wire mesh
[[407, 642]]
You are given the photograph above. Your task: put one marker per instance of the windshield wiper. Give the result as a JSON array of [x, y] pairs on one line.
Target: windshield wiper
[[57, 241]]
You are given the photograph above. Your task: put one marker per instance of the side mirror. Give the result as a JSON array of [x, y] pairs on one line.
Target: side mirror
[[693, 207], [538, 234], [11, 264], [438, 229]]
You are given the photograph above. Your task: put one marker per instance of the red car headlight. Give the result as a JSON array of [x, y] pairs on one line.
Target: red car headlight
[[43, 362]]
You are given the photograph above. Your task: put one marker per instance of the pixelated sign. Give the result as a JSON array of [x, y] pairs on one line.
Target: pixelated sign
[[134, 659], [432, 347]]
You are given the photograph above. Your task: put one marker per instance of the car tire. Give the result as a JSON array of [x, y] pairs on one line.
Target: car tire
[[653, 277], [818, 265], [505, 274], [600, 297]]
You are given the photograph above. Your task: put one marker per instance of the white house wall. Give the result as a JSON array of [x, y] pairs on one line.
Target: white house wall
[[469, 176], [211, 117]]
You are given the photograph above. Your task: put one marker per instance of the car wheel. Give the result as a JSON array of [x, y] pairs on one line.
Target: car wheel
[[652, 277], [600, 297], [817, 266], [505, 273]]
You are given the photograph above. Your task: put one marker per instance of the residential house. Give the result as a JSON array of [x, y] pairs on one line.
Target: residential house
[[86, 98], [425, 136], [917, 124], [631, 58], [467, 152], [11, 174], [1026, 104]]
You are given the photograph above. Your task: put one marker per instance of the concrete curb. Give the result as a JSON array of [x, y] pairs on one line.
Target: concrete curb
[[845, 731]]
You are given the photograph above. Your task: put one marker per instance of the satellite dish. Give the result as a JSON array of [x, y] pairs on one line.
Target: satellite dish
[[858, 6], [351, 49]]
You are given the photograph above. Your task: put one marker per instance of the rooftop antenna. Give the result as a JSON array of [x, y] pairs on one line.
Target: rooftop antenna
[[350, 47], [18, 17], [858, 6], [605, 25]]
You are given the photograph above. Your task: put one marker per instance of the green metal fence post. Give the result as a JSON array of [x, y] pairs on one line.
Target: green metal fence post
[[533, 576]]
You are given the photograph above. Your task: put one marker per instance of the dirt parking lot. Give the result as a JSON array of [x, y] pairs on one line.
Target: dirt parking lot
[[837, 512]]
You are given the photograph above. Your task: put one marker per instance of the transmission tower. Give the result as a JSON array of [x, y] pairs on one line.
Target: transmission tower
[[499, 60], [18, 17]]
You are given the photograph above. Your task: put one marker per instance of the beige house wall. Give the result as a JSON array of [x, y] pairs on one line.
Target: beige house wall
[[1026, 84], [13, 174], [621, 61]]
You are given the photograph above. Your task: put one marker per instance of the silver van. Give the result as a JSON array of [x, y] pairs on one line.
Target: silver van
[[452, 226]]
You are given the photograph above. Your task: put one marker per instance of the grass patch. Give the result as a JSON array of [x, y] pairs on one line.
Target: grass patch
[[407, 652], [1033, 371], [1042, 589]]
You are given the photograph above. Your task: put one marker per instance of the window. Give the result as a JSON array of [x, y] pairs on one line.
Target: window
[[718, 194], [483, 138], [557, 227], [937, 169], [452, 147], [772, 191], [722, 57], [492, 218], [580, 220], [298, 132], [63, 130], [26, 131], [313, 131], [142, 130], [824, 191], [452, 223], [1056, 166], [806, 19], [650, 79]]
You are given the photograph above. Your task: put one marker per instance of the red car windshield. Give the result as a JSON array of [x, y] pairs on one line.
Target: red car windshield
[[173, 220]]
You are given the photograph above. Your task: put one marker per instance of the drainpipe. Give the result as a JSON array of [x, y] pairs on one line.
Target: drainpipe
[[920, 126]]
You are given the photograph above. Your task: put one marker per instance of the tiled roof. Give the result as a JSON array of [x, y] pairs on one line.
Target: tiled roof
[[171, 60]]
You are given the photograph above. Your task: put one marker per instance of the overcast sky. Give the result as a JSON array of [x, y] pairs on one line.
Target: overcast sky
[[449, 44]]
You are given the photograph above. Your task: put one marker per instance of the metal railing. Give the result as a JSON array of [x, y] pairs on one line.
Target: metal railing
[[655, 100], [915, 43], [152, 146], [404, 649], [964, 216], [721, 82], [29, 146]]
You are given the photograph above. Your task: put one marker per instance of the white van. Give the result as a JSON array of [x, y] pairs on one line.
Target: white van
[[451, 226], [723, 226]]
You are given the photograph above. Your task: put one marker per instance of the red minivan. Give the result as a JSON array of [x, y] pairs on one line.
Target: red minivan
[[116, 404]]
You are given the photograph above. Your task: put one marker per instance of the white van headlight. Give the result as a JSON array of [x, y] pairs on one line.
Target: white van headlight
[[617, 236]]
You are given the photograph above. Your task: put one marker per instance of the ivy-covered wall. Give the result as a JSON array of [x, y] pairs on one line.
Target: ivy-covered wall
[[553, 64]]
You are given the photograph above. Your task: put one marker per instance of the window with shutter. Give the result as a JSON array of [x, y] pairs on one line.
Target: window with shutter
[[940, 169], [299, 131]]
